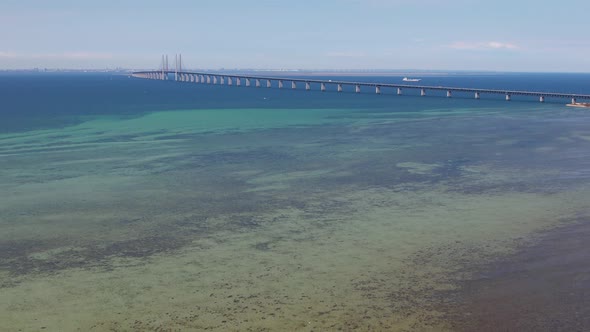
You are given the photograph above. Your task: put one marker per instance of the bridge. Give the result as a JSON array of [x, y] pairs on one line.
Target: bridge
[[181, 75]]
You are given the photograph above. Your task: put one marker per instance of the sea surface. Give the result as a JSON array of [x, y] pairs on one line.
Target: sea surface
[[142, 205]]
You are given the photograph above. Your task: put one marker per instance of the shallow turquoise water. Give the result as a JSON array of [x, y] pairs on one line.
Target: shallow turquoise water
[[131, 204]]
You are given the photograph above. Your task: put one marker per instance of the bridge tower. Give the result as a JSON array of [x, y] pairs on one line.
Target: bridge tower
[[162, 67], [167, 68], [177, 66]]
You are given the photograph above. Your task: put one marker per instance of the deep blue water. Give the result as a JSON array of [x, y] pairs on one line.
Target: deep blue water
[[45, 100]]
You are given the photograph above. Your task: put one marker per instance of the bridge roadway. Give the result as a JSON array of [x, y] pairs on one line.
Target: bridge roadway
[[215, 78]]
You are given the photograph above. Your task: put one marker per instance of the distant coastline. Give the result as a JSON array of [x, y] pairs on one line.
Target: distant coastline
[[293, 72]]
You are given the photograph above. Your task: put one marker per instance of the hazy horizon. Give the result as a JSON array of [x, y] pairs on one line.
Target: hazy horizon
[[369, 72]]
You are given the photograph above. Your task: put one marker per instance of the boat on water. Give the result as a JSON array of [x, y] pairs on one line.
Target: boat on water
[[585, 105], [406, 79]]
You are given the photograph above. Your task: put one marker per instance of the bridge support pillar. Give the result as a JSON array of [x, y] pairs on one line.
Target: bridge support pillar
[[477, 95], [203, 79], [399, 91], [357, 88], [208, 79], [542, 99], [307, 86], [508, 97], [322, 87], [257, 83], [422, 92], [247, 82], [193, 77], [339, 87], [230, 81], [280, 84], [214, 79], [238, 81], [293, 85], [378, 90], [268, 84], [449, 94], [222, 80]]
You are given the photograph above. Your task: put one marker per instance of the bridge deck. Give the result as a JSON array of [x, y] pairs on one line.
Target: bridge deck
[[377, 84]]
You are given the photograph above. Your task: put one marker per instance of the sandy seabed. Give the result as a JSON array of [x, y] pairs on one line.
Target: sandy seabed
[[310, 221]]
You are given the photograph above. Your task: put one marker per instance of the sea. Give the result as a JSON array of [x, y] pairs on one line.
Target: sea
[[144, 205]]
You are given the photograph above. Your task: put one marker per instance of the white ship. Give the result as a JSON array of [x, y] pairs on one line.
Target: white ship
[[405, 79]]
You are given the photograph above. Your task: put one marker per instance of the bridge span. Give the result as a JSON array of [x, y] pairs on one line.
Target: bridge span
[[270, 81]]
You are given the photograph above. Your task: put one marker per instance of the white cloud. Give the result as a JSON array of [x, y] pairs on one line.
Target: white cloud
[[346, 54], [64, 55], [490, 45], [7, 55], [72, 56]]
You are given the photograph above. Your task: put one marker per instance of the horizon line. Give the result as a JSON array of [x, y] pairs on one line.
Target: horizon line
[[292, 70]]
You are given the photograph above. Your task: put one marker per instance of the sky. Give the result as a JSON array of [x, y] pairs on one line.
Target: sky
[[496, 35]]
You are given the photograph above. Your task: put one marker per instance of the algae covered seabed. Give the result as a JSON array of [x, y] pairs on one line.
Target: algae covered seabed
[[278, 219]]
